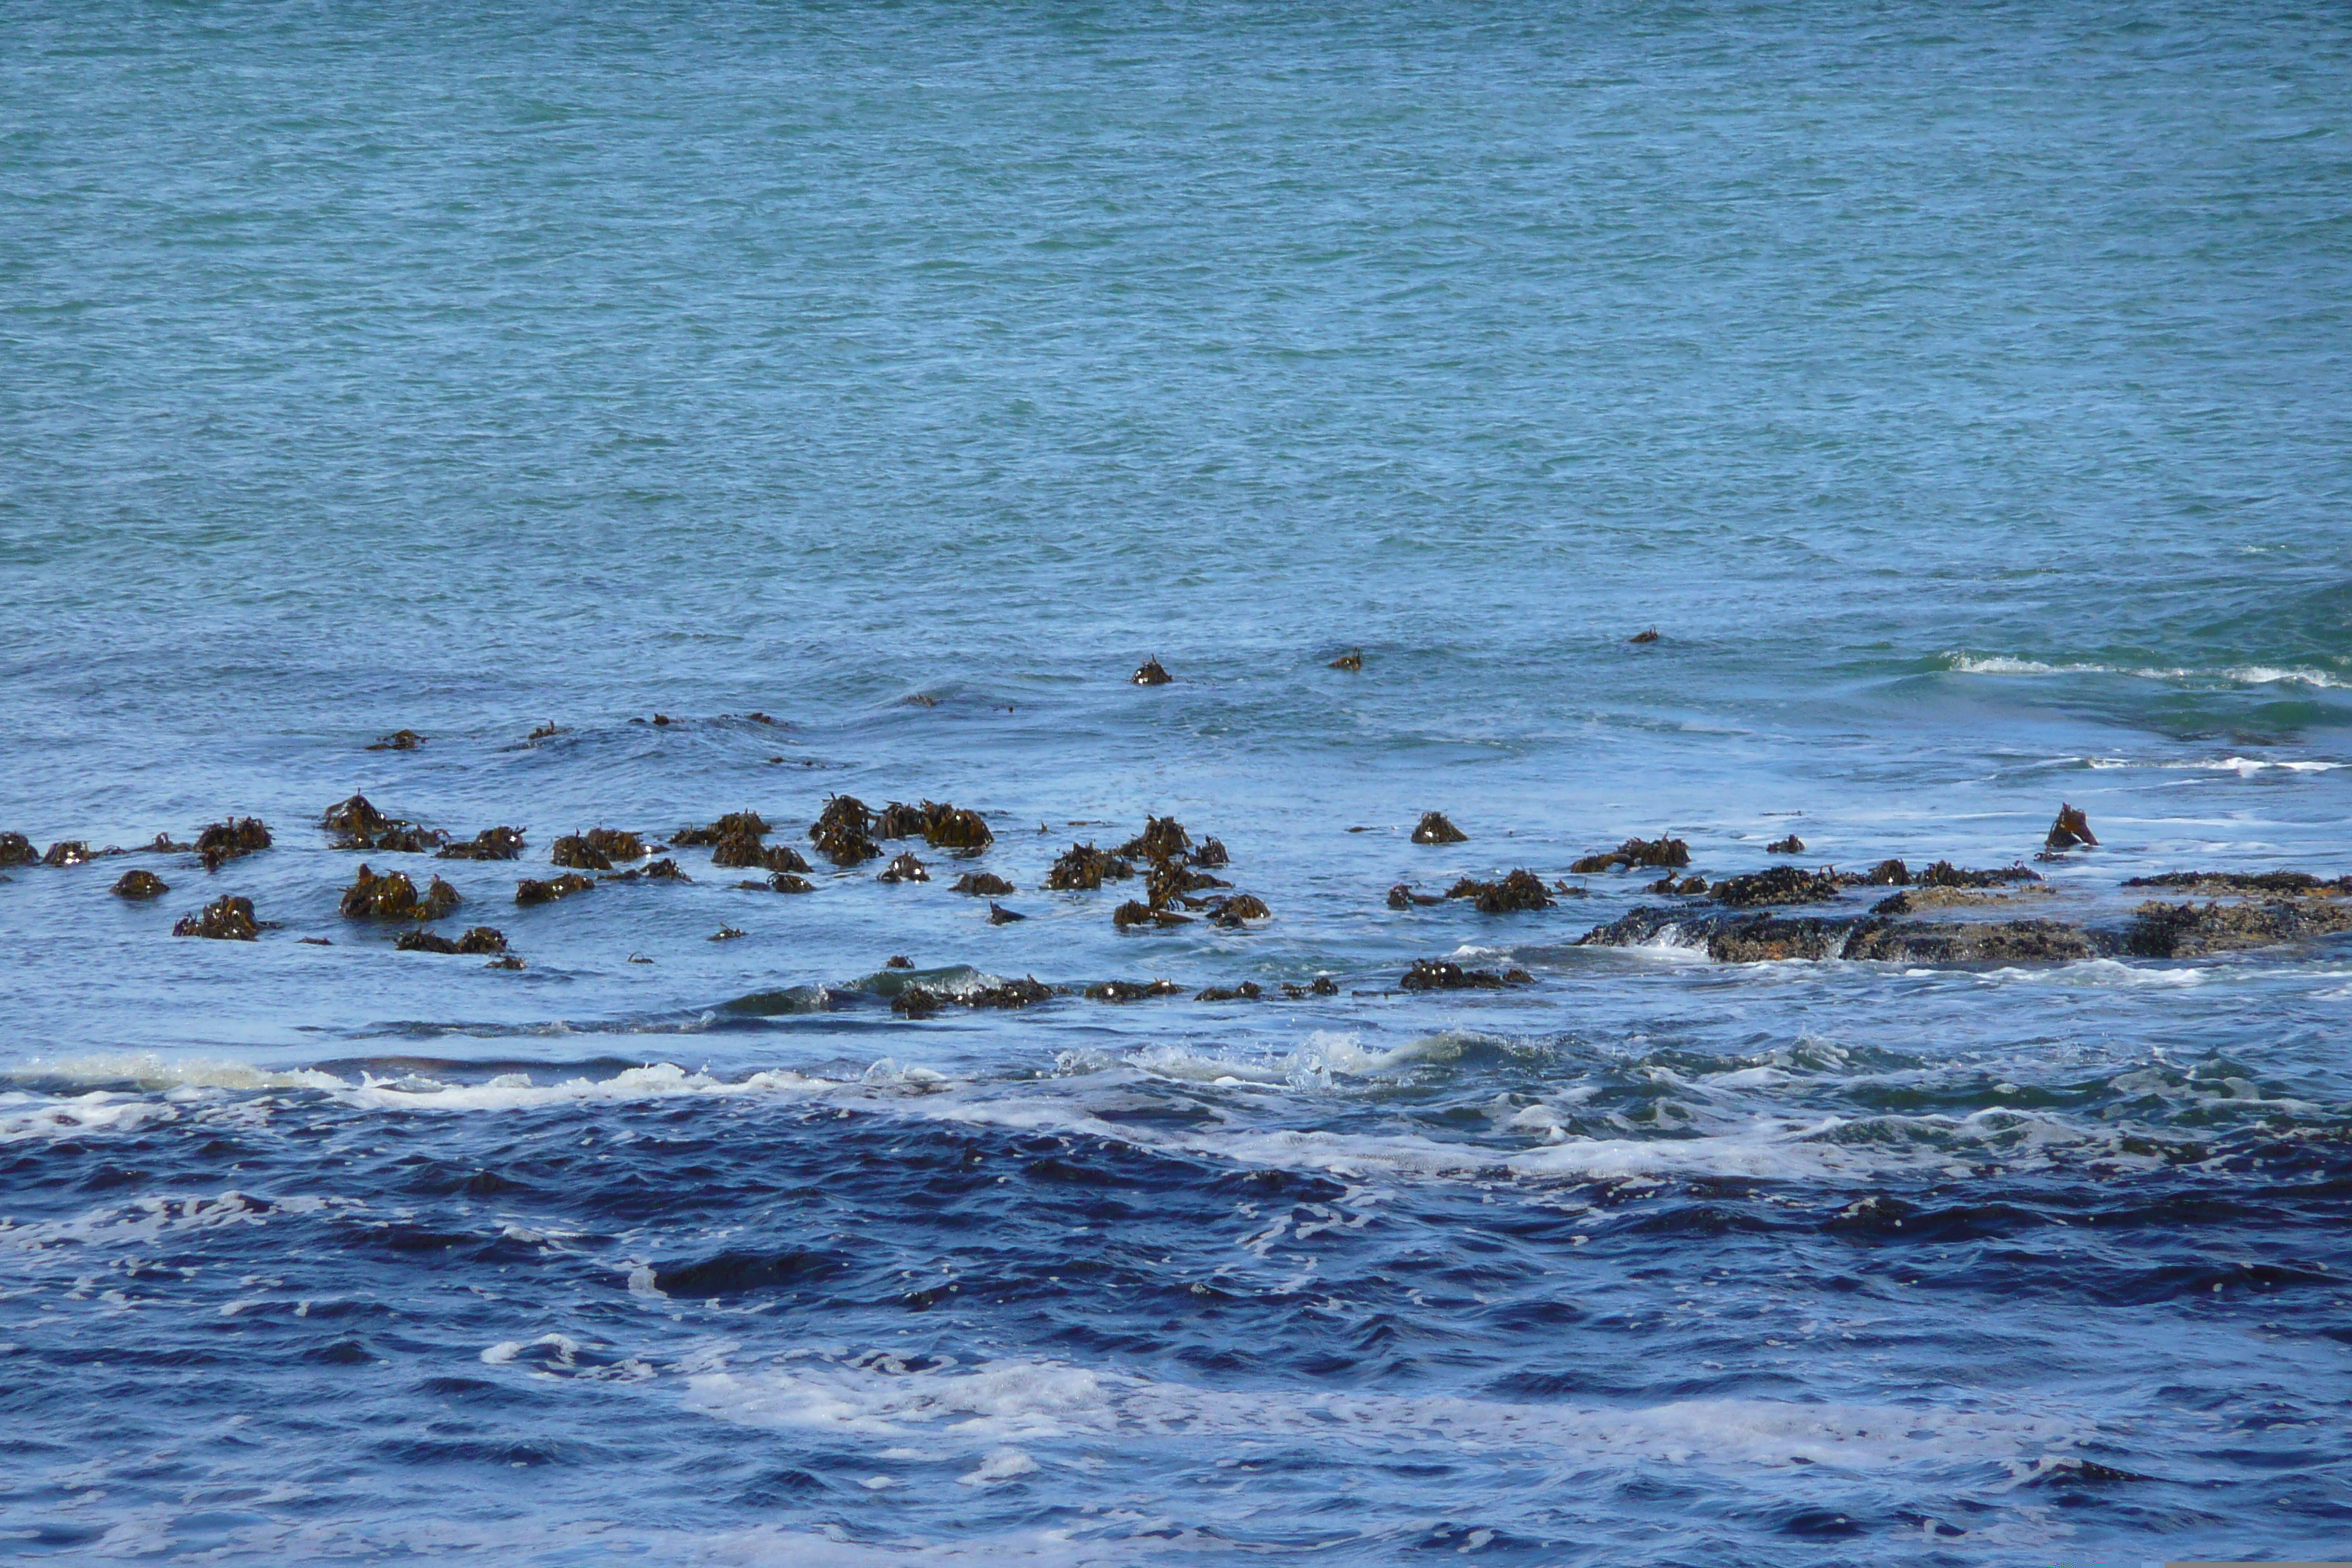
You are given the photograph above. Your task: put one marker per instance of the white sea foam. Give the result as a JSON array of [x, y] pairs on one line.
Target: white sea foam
[[2237, 675]]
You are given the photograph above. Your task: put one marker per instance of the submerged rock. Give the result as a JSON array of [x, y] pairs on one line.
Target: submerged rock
[[1792, 845], [1128, 991], [1435, 828], [785, 882], [1321, 985], [1944, 874], [915, 1002], [353, 818], [2072, 828], [1775, 885], [1083, 868], [393, 897], [1522, 890], [1444, 974], [904, 869], [1402, 897], [398, 740], [1666, 854], [1975, 942], [1644, 636], [984, 883], [546, 731], [2225, 883], [226, 919], [532, 890], [997, 915], [490, 844], [1247, 991], [1150, 673], [140, 885], [222, 842], [15, 850], [1887, 874], [2191, 930]]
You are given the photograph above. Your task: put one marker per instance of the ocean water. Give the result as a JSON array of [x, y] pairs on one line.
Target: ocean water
[[1963, 394]]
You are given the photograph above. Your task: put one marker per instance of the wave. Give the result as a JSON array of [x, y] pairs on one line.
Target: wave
[[1963, 663]]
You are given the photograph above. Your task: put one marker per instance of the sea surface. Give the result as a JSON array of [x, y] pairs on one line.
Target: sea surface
[[1963, 394]]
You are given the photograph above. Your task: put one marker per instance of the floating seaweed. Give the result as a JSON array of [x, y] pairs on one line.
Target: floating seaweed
[[1664, 853], [1443, 975], [476, 939], [1644, 636], [1233, 911], [730, 826], [904, 869], [1212, 853], [574, 850], [1150, 673], [533, 890], [984, 883], [15, 850], [490, 844], [398, 740], [353, 818], [69, 852], [1351, 661], [842, 831], [226, 919], [1247, 991], [140, 885], [997, 915], [1402, 897], [2073, 829], [1083, 868], [1521, 890], [1792, 845], [225, 841], [949, 827], [1135, 912], [1162, 839], [1436, 828], [1130, 991], [393, 897]]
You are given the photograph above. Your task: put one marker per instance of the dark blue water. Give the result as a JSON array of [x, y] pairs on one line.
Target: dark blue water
[[1960, 393]]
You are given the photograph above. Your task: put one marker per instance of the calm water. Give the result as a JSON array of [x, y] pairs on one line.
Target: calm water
[[1963, 394]]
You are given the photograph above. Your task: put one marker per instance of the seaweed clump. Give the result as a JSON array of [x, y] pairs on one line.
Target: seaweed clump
[[1443, 975], [1776, 885], [904, 869], [398, 740], [1135, 912], [1130, 991], [1402, 897], [15, 850], [1083, 868], [532, 890], [476, 939], [490, 844], [1151, 673], [358, 825], [574, 850], [1664, 853], [141, 885], [2072, 830], [985, 883], [1944, 874], [393, 897], [952, 827], [69, 852], [222, 842], [226, 919], [1792, 845], [1436, 828], [730, 826], [1522, 890], [1247, 991], [842, 831], [1162, 839]]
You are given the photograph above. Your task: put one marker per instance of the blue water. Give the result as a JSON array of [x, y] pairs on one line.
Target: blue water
[[1964, 394]]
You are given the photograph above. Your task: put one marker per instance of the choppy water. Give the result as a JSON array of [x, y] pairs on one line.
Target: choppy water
[[1961, 392]]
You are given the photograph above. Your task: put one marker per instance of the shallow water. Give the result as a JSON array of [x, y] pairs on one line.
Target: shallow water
[[1960, 395]]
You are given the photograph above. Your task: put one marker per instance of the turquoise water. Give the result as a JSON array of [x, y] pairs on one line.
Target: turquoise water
[[1961, 393]]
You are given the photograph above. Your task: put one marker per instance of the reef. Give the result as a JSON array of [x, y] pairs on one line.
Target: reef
[[1443, 975], [490, 844], [1776, 885], [1944, 874], [1402, 897], [141, 885], [2191, 930], [398, 740], [1150, 673], [843, 832], [1666, 854], [1247, 991], [1435, 828], [222, 842], [532, 890], [1084, 868], [2227, 882], [1792, 845], [984, 883], [477, 939], [1130, 991], [905, 867], [1351, 661], [2072, 829], [393, 897], [1522, 890], [226, 919]]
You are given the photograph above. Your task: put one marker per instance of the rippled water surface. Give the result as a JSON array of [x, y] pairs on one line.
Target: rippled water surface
[[1960, 393]]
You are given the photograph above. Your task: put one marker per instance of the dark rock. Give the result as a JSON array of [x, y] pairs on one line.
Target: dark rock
[[1232, 912], [724, 933], [663, 721], [734, 824], [2072, 829], [15, 850], [225, 841], [2191, 930], [1351, 661], [1151, 674], [1402, 897], [897, 960], [842, 831], [424, 942], [1134, 912], [575, 851], [1211, 854], [1792, 845], [904, 869], [226, 919], [997, 915], [69, 852], [1247, 991], [531, 890], [2211, 882], [1647, 636], [1775, 885], [1128, 991], [1435, 828], [1758, 939], [141, 885], [398, 740], [1680, 887], [1974, 941], [314, 941], [1443, 975], [1522, 890], [984, 883], [393, 897], [785, 882], [1021, 993], [1666, 854], [1944, 874], [1083, 868], [490, 844]]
